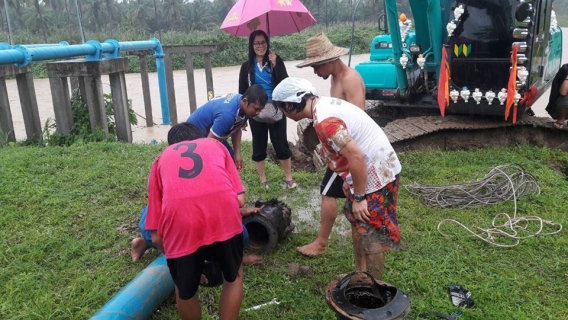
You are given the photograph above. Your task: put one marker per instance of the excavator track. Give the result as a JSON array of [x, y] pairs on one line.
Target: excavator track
[[469, 132], [455, 132]]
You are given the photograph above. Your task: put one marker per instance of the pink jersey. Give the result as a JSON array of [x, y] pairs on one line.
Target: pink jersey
[[192, 196]]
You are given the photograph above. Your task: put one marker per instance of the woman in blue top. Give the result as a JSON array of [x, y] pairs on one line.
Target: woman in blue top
[[264, 67]]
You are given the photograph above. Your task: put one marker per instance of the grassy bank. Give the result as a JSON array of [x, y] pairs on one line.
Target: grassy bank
[[68, 215]]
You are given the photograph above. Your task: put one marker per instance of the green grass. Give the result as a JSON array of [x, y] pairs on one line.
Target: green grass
[[68, 215]]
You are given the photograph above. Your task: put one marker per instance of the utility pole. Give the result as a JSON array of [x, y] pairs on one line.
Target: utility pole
[[157, 21], [80, 24], [8, 21]]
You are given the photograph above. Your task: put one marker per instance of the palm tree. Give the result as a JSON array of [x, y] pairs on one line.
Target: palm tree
[[39, 18], [93, 12], [171, 10], [19, 7], [198, 15], [220, 9], [140, 14], [111, 12]]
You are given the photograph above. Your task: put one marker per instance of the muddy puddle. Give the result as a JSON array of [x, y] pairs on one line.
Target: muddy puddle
[[307, 217]]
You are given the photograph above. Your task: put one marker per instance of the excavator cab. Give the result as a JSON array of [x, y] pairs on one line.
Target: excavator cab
[[458, 56]]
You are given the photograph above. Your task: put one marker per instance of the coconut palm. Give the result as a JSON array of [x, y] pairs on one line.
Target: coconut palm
[[198, 15], [171, 13], [112, 14], [220, 9], [36, 20], [140, 13], [93, 12]]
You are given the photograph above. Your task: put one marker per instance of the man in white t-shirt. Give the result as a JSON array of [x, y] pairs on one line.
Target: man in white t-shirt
[[357, 149]]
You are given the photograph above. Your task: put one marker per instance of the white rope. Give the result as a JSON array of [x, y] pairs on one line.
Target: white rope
[[499, 185], [512, 226]]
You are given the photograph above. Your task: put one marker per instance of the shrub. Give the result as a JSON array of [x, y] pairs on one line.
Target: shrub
[[81, 130]]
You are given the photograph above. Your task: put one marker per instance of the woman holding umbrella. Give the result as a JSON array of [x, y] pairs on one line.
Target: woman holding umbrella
[[266, 68]]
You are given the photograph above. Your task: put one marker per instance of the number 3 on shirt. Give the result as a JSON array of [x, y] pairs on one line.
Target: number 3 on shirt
[[197, 161]]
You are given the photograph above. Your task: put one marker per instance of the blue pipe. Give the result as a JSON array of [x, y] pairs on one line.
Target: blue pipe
[[62, 43], [142, 296], [23, 55], [161, 69]]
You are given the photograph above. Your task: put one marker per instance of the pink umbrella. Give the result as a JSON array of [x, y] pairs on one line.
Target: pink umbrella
[[275, 17]]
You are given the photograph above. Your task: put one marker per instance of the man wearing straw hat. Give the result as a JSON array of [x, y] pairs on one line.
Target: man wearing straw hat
[[346, 84]]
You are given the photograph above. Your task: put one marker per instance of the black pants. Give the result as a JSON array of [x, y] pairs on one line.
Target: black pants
[[278, 137]]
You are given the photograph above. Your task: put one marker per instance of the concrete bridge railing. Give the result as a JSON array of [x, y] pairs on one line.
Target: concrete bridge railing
[[88, 72]]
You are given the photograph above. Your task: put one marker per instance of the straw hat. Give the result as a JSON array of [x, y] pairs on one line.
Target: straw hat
[[320, 50]]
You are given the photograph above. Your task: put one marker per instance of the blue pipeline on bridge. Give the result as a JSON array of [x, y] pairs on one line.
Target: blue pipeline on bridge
[[23, 55]]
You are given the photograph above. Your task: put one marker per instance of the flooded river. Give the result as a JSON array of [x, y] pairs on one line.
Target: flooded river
[[225, 80]]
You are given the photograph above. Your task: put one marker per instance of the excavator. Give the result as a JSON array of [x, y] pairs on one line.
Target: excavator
[[474, 58]]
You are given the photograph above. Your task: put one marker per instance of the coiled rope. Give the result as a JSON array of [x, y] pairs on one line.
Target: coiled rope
[[502, 183], [519, 183]]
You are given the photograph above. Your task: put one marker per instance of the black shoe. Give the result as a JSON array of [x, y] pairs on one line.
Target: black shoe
[[460, 297]]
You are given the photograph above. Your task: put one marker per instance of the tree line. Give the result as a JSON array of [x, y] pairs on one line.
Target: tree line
[[144, 18]]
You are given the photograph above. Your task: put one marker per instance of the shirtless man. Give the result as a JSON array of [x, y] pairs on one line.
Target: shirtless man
[[346, 84]]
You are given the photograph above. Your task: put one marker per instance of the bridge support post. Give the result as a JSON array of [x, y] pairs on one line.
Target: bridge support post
[[62, 99], [120, 105], [28, 101], [190, 81], [92, 95], [209, 76], [90, 87], [171, 88], [189, 51], [6, 123]]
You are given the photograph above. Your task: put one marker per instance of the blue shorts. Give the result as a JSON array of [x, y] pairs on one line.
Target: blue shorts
[[146, 234]]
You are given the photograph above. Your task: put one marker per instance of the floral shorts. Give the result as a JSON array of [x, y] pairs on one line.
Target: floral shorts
[[384, 222]]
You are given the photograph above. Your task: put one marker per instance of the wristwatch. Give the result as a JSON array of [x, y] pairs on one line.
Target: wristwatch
[[358, 197]]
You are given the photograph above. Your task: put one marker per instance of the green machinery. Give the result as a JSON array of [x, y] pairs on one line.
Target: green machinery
[[484, 42]]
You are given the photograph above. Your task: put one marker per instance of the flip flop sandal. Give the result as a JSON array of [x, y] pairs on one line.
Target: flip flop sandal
[[291, 184], [558, 125]]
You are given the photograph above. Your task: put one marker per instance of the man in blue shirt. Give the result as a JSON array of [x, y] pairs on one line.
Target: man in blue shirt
[[225, 116]]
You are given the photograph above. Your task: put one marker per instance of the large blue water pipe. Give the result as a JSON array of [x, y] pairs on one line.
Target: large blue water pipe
[[23, 55], [140, 298]]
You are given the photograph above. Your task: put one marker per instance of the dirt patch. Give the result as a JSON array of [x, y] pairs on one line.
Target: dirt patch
[[472, 132], [294, 269], [559, 167], [130, 228], [302, 159]]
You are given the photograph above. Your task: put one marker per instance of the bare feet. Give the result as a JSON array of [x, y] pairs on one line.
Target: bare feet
[[138, 247], [312, 250], [252, 259]]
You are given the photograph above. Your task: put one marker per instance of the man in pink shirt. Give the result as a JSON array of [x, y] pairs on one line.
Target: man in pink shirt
[[194, 196]]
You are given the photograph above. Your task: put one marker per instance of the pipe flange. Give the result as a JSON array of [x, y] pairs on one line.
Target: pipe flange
[[116, 52], [98, 54], [27, 56]]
